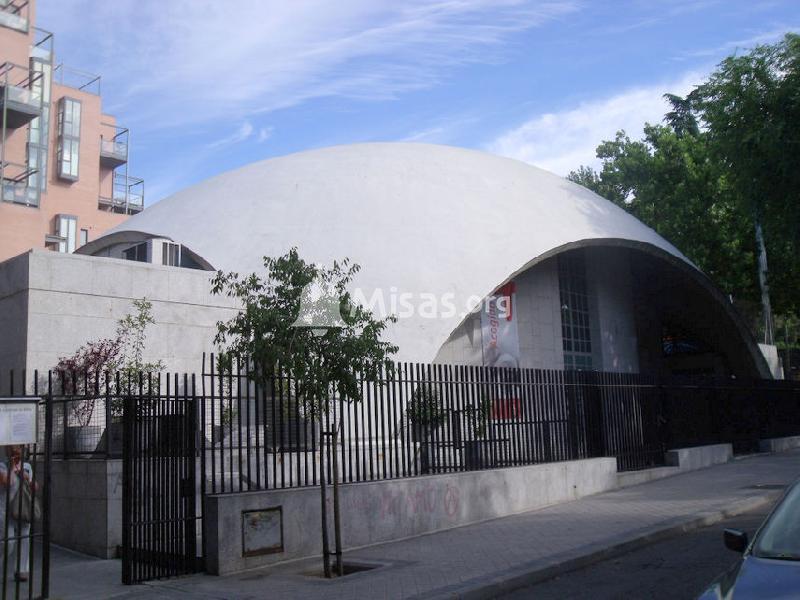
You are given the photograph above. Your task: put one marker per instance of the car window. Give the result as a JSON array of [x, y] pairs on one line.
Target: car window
[[780, 536]]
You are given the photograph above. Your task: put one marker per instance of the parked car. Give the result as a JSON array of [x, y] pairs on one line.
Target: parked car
[[770, 563]]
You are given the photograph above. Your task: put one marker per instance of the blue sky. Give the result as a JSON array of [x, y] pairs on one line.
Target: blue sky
[[209, 86]]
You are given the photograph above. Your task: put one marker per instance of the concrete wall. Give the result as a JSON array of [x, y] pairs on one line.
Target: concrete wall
[[86, 505], [71, 299], [679, 460], [699, 457], [13, 314], [539, 324], [388, 510], [538, 309], [783, 444]]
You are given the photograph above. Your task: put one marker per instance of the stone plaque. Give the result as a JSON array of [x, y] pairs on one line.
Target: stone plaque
[[262, 531]]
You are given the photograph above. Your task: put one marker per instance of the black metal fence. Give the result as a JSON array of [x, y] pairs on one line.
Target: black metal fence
[[161, 535], [418, 419], [739, 413], [87, 407], [25, 502]]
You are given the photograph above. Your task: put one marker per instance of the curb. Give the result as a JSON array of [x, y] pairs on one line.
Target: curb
[[535, 572]]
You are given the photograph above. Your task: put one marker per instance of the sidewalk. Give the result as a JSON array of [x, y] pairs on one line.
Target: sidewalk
[[480, 560]]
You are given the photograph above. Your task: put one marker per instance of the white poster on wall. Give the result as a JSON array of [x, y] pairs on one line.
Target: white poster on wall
[[18, 422]]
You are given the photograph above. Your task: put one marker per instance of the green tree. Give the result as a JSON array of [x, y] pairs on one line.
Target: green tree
[[669, 181], [265, 331], [750, 106], [725, 163], [85, 372]]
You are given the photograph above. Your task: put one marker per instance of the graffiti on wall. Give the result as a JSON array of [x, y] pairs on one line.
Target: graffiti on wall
[[421, 499]]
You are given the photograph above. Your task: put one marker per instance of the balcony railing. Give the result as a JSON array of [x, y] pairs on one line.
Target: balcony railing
[[127, 196], [14, 14], [14, 184], [42, 46], [19, 96], [79, 80], [113, 145]]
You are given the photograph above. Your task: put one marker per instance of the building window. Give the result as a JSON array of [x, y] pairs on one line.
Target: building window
[[84, 237], [171, 254], [137, 253], [66, 230], [38, 132], [575, 328], [37, 162], [69, 138]]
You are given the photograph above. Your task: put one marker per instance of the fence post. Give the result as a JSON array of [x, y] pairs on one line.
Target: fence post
[[48, 461], [190, 455], [128, 410], [571, 383], [548, 383], [108, 416], [661, 419], [596, 434]]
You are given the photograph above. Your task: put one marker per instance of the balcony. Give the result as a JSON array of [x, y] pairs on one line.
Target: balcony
[[14, 186], [127, 196], [113, 146], [76, 79], [14, 14], [42, 46], [19, 97]]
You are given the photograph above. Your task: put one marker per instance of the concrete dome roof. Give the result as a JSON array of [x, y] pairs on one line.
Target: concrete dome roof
[[418, 218]]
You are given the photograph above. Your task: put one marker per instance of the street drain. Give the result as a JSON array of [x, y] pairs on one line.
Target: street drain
[[766, 486], [350, 568]]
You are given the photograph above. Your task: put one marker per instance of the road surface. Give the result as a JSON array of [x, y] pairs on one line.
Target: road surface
[[680, 567]]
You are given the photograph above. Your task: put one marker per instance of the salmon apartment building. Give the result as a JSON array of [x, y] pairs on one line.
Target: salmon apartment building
[[63, 161]]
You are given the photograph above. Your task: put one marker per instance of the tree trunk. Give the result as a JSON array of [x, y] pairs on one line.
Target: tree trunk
[[762, 281]]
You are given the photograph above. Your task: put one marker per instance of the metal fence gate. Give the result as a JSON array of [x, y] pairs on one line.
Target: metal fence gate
[[159, 505], [25, 470]]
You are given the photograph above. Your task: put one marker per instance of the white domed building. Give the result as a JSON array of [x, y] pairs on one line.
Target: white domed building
[[573, 281]]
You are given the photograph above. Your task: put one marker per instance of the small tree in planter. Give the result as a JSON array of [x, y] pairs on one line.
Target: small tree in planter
[[266, 331], [84, 374], [476, 449], [425, 414], [326, 344], [223, 376]]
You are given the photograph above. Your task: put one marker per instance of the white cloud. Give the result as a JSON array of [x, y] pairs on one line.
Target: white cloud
[[431, 135], [442, 130], [243, 132], [197, 61], [562, 141], [265, 133], [765, 37]]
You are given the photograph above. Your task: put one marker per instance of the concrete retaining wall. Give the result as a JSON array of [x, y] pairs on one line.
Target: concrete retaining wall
[[679, 461], [52, 303], [629, 478], [779, 444], [86, 505], [389, 510], [699, 457]]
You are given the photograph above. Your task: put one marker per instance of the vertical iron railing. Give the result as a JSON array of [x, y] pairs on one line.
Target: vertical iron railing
[[159, 502], [27, 541], [414, 419]]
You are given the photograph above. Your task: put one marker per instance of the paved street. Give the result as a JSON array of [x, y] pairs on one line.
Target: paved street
[[486, 559], [680, 567]]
